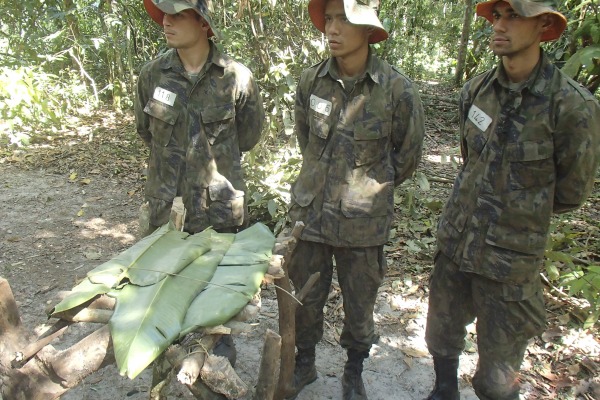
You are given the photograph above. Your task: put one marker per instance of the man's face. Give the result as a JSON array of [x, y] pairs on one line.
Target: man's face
[[344, 38], [185, 29], [514, 34]]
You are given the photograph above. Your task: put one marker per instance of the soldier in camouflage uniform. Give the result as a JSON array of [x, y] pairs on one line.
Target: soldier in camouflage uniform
[[359, 124], [529, 138], [198, 110]]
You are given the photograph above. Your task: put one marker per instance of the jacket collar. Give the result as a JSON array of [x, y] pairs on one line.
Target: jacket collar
[[172, 60], [373, 69], [538, 80]]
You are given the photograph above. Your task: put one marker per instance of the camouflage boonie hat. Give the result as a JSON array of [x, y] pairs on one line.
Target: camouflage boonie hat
[[529, 8], [158, 8], [358, 12]]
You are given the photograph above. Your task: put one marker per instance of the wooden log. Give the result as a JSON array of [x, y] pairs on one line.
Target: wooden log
[[287, 314], [192, 364], [218, 374], [270, 362], [22, 357], [85, 315], [10, 319], [12, 335], [50, 373]]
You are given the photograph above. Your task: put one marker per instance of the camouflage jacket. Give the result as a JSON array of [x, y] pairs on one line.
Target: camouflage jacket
[[528, 152], [356, 146], [196, 130]]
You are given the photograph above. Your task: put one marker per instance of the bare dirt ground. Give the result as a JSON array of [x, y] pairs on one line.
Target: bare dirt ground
[[69, 205]]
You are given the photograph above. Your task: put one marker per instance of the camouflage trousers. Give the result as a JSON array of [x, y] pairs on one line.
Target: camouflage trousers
[[360, 273], [507, 317]]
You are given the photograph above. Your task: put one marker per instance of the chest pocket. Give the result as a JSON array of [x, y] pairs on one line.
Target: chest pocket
[[475, 138], [371, 141], [319, 128], [531, 164], [162, 120], [219, 122]]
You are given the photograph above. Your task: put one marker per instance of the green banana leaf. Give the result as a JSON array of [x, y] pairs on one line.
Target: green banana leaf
[[171, 283], [81, 293], [237, 279], [165, 246], [165, 252], [147, 319]]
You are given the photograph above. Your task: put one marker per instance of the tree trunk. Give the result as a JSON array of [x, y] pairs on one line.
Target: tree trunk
[[464, 43]]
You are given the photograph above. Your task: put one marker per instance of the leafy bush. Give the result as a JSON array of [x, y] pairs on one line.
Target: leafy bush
[[569, 270], [31, 100]]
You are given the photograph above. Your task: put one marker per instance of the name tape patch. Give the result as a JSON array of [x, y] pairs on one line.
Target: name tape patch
[[479, 118], [164, 96], [320, 105]]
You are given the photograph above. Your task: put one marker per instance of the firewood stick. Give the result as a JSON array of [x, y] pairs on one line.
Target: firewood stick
[[86, 315], [95, 348], [10, 319], [268, 375], [55, 331], [287, 313], [218, 374], [50, 374], [192, 364]]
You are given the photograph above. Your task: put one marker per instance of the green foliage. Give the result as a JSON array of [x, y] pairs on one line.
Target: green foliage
[[272, 170], [565, 267], [32, 100]]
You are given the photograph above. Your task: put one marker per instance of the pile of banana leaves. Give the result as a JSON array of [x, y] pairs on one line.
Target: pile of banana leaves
[[171, 283]]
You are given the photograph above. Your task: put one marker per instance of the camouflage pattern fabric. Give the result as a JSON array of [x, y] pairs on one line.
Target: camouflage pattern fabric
[[360, 272], [528, 152], [356, 147], [197, 130], [507, 317]]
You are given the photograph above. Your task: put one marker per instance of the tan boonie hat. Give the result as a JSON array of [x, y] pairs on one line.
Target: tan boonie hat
[[529, 8], [358, 12], [158, 8]]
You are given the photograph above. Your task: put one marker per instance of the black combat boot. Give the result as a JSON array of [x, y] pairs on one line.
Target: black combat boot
[[305, 371], [446, 379], [352, 383]]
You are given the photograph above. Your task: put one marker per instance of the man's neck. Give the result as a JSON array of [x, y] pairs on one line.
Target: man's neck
[[352, 65], [194, 58], [519, 67]]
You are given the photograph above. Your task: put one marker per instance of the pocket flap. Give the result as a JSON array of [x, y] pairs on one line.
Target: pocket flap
[[218, 113], [371, 130], [509, 238], [220, 189], [303, 198], [161, 111], [530, 151]]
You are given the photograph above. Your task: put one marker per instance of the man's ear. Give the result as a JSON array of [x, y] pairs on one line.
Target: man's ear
[[205, 25]]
